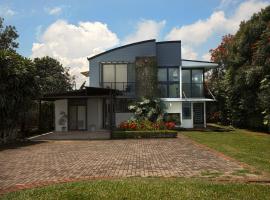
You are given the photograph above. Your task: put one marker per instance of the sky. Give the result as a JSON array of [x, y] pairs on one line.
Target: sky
[[73, 30]]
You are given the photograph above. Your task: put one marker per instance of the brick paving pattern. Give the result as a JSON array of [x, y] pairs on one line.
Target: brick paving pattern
[[62, 160]]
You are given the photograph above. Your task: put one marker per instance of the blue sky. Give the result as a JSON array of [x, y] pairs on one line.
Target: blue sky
[[72, 30]]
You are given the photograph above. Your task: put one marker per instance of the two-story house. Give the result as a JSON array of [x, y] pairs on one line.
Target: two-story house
[[115, 82]]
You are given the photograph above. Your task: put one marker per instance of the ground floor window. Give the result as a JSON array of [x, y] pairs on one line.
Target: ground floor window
[[121, 105], [186, 110]]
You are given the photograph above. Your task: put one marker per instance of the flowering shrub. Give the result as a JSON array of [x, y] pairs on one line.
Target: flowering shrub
[[148, 109], [145, 125]]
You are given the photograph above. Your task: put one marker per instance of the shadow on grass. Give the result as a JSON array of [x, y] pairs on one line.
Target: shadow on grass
[[209, 128]]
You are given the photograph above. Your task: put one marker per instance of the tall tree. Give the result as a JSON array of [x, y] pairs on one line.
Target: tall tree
[[17, 89], [52, 76], [8, 36], [245, 63]]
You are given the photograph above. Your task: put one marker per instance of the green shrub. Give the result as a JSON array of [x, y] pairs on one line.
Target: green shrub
[[144, 134]]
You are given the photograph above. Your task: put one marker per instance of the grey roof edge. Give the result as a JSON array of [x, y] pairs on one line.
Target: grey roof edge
[[170, 41], [117, 48], [202, 61]]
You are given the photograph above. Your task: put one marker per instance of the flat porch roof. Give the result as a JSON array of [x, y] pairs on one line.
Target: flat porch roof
[[82, 93]]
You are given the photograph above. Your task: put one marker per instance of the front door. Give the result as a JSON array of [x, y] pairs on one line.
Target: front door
[[198, 114], [77, 115]]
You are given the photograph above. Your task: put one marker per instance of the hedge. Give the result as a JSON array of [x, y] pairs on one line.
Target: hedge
[[144, 134]]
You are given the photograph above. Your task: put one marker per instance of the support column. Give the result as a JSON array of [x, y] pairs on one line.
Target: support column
[[204, 113]]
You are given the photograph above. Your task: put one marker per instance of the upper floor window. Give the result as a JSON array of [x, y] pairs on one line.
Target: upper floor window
[[168, 82], [192, 82]]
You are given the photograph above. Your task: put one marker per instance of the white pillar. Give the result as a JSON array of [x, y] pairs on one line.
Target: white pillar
[[180, 80], [204, 113]]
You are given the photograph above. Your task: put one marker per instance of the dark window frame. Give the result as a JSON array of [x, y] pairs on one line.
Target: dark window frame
[[168, 82], [190, 114], [190, 79]]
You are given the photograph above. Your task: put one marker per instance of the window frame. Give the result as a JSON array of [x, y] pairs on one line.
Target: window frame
[[191, 81], [190, 114], [113, 84], [168, 82]]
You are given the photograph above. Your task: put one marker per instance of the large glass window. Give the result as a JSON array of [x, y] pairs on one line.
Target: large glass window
[[186, 110], [173, 74], [174, 90], [168, 78], [192, 83], [121, 105], [115, 76], [162, 74]]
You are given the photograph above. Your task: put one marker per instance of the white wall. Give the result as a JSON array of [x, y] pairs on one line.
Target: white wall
[[120, 117], [61, 107], [94, 113], [187, 123], [173, 106], [176, 107]]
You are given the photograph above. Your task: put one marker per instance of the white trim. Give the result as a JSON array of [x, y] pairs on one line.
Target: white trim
[[180, 80], [186, 99], [39, 135], [204, 113]]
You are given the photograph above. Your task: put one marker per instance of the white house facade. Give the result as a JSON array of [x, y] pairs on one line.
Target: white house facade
[[113, 82]]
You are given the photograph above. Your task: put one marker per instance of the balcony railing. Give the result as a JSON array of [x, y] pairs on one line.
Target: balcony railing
[[128, 88], [193, 90]]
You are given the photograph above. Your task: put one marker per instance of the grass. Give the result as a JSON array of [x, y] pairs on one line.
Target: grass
[[145, 188], [252, 148]]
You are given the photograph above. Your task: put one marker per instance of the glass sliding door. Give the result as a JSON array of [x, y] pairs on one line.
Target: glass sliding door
[[81, 122], [77, 115], [197, 83], [116, 76], [186, 83], [168, 82], [120, 76], [192, 83], [108, 76], [72, 117]]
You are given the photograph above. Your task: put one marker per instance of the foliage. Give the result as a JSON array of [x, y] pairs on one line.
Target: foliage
[[244, 63], [22, 82], [18, 87], [145, 125], [264, 97], [144, 134], [151, 109], [52, 76], [8, 35], [146, 82]]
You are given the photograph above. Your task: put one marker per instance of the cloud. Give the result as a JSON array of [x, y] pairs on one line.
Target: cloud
[[6, 12], [188, 53], [198, 33], [206, 57], [145, 29], [71, 44], [54, 10]]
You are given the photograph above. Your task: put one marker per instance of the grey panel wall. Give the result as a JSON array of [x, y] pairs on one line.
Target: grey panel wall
[[127, 54], [169, 53]]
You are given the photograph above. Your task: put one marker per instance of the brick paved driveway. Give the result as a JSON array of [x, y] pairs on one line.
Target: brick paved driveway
[[60, 160]]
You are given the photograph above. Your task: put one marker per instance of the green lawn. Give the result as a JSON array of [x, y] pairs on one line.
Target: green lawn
[[145, 188], [249, 147]]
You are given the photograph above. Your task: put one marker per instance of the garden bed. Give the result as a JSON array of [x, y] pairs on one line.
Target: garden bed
[[144, 134]]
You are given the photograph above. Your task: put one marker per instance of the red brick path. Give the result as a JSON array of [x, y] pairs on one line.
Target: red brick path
[[60, 161]]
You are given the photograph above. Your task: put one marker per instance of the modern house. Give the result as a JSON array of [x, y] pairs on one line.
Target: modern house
[[123, 74]]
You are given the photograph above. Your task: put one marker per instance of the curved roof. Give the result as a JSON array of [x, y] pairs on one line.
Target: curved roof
[[124, 46]]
